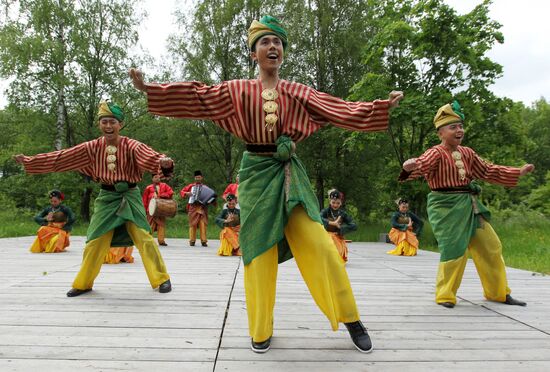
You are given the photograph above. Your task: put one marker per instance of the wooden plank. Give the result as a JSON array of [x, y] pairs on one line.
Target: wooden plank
[[125, 325]]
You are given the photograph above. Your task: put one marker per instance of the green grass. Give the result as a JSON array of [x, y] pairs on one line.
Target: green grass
[[525, 235]]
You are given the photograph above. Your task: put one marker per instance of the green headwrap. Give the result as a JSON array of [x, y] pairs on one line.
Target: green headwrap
[[108, 109], [267, 25]]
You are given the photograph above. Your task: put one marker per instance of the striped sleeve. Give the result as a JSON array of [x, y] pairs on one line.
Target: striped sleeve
[[498, 174], [73, 158], [426, 164], [148, 160], [190, 100], [356, 116]]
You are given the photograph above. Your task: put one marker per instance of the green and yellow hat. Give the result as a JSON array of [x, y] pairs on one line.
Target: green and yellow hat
[[108, 109], [448, 114], [267, 25]]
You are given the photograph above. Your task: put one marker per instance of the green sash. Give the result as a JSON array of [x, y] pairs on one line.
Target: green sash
[[267, 197], [112, 209], [454, 221]]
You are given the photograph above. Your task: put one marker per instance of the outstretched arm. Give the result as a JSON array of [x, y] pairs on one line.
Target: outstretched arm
[[73, 158], [356, 116], [498, 174], [186, 100]]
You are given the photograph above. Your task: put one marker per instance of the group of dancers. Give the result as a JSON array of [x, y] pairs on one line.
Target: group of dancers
[[279, 213]]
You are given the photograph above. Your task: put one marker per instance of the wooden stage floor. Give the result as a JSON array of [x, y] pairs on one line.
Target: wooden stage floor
[[202, 325]]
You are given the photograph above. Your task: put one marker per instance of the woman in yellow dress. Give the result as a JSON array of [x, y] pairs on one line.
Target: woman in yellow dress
[[118, 255], [406, 226], [57, 221], [337, 222], [229, 220]]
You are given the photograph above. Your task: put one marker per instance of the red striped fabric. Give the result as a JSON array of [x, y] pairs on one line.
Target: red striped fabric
[[437, 166], [90, 158], [236, 106]]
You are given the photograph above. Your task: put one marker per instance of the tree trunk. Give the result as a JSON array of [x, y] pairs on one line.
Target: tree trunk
[[228, 157], [60, 124], [85, 203]]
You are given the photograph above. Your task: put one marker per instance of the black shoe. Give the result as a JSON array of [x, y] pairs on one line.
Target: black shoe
[[359, 336], [163, 244], [512, 301], [260, 347], [192, 244], [448, 305], [204, 244], [165, 287], [77, 292]]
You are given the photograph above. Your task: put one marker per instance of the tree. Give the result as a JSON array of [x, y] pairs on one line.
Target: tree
[[77, 52], [36, 50], [426, 49]]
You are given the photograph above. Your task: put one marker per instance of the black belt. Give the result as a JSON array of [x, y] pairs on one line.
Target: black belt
[[455, 190], [261, 148], [112, 187]]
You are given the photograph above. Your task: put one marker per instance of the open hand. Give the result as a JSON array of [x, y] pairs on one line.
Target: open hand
[[137, 79], [527, 168], [410, 165], [394, 98], [19, 158], [166, 163]]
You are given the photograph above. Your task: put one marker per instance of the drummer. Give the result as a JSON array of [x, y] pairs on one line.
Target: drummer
[[198, 212], [157, 190]]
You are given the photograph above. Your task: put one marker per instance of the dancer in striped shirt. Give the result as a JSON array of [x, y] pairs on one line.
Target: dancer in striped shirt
[[458, 218], [117, 163], [279, 211]]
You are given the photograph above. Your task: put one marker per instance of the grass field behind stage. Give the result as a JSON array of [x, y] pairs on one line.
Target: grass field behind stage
[[525, 236]]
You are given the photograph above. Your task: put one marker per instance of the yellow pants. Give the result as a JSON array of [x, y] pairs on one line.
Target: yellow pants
[[193, 232], [96, 250], [486, 251], [321, 267]]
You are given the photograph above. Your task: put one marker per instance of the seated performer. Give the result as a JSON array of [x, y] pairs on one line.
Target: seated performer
[[57, 221], [157, 190], [198, 212], [459, 221], [117, 162], [406, 227], [279, 211], [337, 222], [229, 220], [118, 255]]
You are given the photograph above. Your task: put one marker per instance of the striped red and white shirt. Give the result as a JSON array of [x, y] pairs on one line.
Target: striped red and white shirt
[[237, 107], [133, 158], [438, 167]]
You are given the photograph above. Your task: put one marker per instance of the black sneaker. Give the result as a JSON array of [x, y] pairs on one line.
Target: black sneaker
[[512, 301], [192, 244], [163, 244], [165, 287], [204, 244], [448, 305], [359, 336], [260, 347], [77, 292]]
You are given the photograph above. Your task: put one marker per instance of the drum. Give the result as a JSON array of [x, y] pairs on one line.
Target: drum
[[163, 207], [59, 217], [403, 220], [236, 221]]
